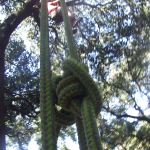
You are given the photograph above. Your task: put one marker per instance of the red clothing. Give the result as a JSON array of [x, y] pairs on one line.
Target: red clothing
[[55, 12], [52, 7]]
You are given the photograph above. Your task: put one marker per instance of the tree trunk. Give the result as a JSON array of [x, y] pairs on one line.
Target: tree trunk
[[2, 113]]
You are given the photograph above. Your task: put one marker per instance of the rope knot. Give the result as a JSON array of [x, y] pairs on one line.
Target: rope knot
[[75, 85]]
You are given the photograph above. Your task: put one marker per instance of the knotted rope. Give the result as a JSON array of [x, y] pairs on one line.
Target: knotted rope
[[75, 91], [78, 93]]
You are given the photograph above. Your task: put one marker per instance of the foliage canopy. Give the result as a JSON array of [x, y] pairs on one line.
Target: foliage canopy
[[113, 40]]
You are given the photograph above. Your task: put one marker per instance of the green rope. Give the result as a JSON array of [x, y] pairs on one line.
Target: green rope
[[81, 134], [68, 30], [75, 92], [90, 126], [69, 90], [46, 104]]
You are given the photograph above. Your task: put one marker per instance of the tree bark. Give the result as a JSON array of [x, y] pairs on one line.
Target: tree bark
[[2, 114]]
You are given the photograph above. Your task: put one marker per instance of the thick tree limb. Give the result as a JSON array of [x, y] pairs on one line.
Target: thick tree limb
[[11, 23]]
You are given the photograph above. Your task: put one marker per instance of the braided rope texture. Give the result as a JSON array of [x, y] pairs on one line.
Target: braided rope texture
[[81, 134], [77, 94], [46, 103], [68, 30], [90, 127]]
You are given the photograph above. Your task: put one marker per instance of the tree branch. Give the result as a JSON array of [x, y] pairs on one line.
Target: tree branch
[[17, 109], [35, 11], [143, 118], [92, 6], [128, 92], [11, 23]]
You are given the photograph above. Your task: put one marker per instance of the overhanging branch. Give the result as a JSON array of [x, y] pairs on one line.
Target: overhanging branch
[[142, 118], [11, 23]]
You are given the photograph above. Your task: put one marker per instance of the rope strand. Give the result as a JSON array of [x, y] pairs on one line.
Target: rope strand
[[68, 30], [46, 103]]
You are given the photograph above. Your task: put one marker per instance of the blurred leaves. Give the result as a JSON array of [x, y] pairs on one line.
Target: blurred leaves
[[114, 41]]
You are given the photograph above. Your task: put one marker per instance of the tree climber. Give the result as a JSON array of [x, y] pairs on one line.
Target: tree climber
[[55, 12]]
